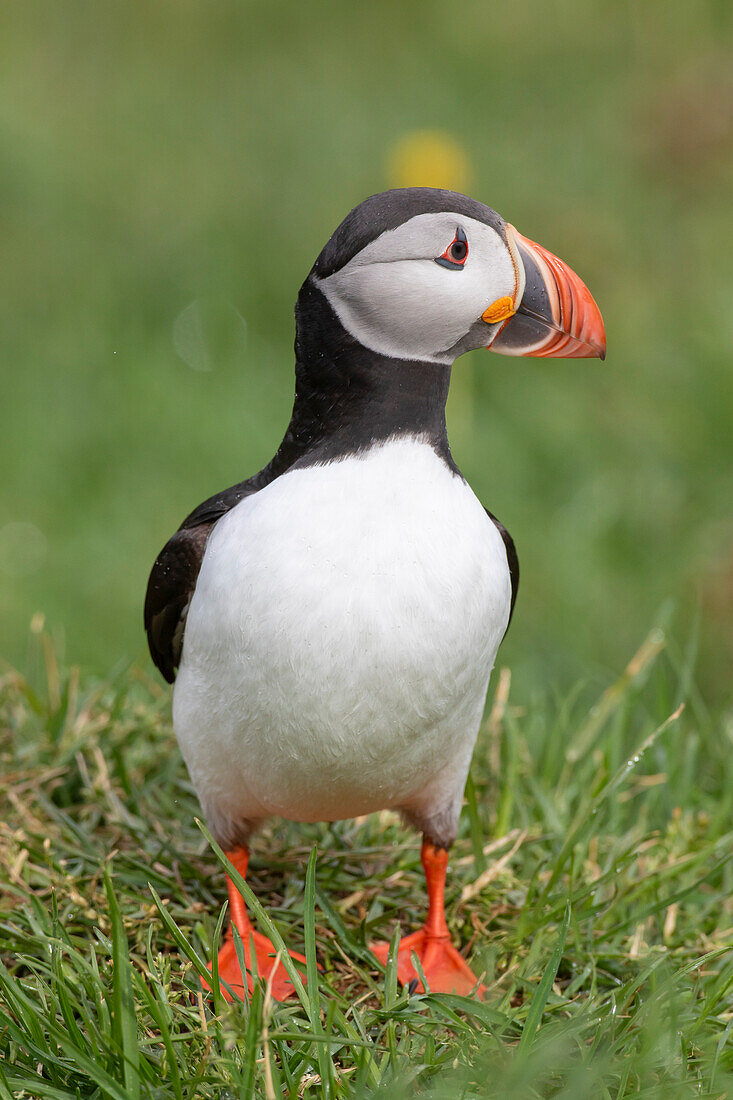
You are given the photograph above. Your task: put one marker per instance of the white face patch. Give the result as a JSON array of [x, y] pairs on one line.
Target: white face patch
[[394, 298]]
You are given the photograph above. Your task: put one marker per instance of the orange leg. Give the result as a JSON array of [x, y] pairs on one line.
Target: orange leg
[[445, 970], [255, 946]]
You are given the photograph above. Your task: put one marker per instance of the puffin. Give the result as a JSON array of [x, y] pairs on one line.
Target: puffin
[[331, 622]]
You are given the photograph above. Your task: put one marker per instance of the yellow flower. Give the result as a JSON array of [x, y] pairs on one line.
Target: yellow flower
[[428, 158]]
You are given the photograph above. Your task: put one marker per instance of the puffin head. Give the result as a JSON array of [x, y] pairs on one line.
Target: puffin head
[[425, 274]]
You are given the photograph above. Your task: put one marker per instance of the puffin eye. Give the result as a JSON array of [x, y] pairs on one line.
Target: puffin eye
[[455, 254]]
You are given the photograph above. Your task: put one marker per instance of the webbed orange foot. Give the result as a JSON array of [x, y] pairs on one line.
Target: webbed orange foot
[[259, 953], [445, 970]]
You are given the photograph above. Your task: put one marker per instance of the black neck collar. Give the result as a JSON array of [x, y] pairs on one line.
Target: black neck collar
[[348, 398]]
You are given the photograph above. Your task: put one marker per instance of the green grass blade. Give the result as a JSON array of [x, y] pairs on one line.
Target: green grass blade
[[537, 1007], [348, 941], [124, 1020], [158, 1015], [186, 947], [474, 824], [35, 1087], [215, 985], [325, 1066], [390, 971], [5, 1093]]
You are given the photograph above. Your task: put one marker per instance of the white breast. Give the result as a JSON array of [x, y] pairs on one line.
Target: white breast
[[340, 639]]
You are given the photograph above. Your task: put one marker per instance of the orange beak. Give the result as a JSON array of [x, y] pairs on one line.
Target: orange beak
[[556, 316]]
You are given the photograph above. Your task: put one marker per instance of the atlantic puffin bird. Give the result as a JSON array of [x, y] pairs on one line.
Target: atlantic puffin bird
[[334, 618]]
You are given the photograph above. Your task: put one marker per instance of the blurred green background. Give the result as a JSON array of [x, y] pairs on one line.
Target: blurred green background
[[171, 170]]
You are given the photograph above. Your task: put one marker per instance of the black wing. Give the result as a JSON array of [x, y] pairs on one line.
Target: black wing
[[173, 577], [175, 572], [512, 560]]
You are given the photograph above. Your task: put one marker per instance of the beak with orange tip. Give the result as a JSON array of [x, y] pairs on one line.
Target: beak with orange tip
[[553, 314]]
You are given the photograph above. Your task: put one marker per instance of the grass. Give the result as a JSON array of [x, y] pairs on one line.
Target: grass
[[591, 884]]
